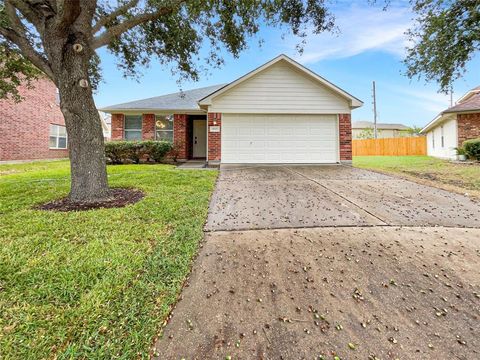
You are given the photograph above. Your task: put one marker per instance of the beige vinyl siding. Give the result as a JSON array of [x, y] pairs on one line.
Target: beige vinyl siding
[[280, 89]]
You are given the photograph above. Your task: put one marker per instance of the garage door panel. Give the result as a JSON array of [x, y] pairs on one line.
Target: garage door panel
[[279, 138]]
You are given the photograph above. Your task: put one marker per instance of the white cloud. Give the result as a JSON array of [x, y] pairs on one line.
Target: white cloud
[[361, 29], [428, 100]]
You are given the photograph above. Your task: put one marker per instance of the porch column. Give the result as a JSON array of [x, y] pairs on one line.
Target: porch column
[[214, 132], [180, 136], [345, 138]]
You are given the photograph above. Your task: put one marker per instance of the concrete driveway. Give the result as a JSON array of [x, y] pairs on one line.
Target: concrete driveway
[[328, 262], [267, 197]]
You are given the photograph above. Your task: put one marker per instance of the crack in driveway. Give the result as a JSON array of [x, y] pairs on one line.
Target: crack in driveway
[[343, 197], [270, 197]]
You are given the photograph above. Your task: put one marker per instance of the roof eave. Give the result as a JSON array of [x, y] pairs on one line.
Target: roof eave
[[150, 110], [474, 110], [435, 121], [355, 104]]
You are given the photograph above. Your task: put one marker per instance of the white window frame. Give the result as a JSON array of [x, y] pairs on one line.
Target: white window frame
[[173, 125], [57, 137], [125, 128], [442, 138]]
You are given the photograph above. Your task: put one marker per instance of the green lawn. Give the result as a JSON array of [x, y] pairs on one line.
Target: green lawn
[[95, 284], [464, 177]]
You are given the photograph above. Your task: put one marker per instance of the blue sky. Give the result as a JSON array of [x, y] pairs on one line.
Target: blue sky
[[370, 46]]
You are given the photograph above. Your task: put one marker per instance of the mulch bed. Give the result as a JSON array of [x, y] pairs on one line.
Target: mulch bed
[[118, 197]]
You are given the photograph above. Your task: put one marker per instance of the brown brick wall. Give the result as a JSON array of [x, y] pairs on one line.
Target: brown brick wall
[[148, 126], [25, 126], [214, 139], [468, 127], [345, 135], [117, 126], [180, 136]]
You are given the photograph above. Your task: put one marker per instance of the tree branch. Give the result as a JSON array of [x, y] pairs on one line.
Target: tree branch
[[69, 12], [113, 15], [27, 11], [111, 33], [17, 35]]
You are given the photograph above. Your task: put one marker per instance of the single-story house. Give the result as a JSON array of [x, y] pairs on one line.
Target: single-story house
[[383, 130], [281, 112], [454, 125]]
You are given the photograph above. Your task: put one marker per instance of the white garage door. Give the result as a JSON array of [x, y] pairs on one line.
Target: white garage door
[[254, 138]]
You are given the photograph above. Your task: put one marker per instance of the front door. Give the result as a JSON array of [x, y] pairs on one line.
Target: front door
[[199, 138]]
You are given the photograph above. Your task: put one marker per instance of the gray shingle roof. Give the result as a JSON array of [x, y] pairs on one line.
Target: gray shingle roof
[[183, 100], [369, 124], [473, 103]]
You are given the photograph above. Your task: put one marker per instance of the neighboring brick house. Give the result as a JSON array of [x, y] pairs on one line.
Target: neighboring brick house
[[454, 125], [280, 112], [33, 128]]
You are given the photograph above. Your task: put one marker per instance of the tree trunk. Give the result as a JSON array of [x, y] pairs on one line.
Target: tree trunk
[[85, 144], [84, 129]]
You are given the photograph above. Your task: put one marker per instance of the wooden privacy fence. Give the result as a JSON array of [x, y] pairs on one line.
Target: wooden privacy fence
[[390, 146]]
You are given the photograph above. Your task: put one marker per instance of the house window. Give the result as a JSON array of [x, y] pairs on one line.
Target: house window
[[164, 128], [433, 139], [58, 137], [442, 138], [133, 127]]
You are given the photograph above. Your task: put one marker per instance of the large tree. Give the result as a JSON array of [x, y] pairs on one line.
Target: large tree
[[445, 37], [60, 38]]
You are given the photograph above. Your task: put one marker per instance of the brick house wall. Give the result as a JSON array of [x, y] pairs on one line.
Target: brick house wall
[[148, 127], [345, 136], [25, 126], [181, 136], [117, 127], [468, 127], [214, 138]]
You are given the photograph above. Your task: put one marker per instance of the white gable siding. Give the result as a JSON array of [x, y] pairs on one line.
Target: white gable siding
[[280, 89], [434, 140]]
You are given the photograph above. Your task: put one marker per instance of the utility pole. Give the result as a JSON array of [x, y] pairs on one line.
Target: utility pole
[[451, 96], [374, 111]]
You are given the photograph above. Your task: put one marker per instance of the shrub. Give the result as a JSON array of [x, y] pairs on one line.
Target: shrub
[[123, 152], [156, 150], [472, 148]]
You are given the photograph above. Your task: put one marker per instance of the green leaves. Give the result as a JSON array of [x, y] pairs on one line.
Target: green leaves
[[186, 37], [14, 70], [445, 37], [190, 37], [124, 152], [472, 148]]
